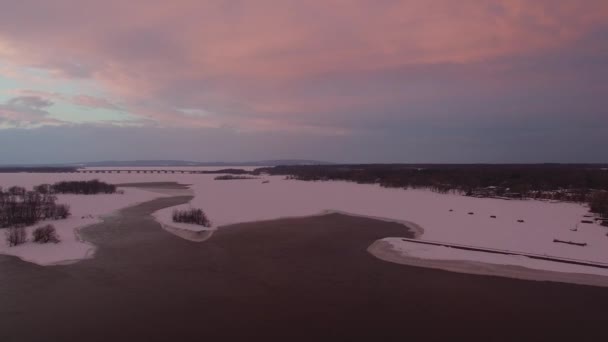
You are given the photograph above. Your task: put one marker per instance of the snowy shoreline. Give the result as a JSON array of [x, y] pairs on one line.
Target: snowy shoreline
[[396, 250], [189, 231], [452, 223], [502, 266], [193, 233]]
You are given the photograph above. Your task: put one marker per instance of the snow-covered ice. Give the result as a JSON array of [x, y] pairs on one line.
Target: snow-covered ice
[[431, 252], [228, 202], [236, 201]]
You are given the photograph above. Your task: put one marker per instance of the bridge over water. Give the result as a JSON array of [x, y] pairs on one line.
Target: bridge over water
[[145, 171]]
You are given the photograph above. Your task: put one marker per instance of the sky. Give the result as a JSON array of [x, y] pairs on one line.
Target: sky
[[442, 81]]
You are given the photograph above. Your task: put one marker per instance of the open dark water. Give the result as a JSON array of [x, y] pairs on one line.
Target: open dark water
[[294, 279]]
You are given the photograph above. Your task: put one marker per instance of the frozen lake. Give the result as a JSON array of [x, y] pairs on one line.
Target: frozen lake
[[443, 218], [294, 279]]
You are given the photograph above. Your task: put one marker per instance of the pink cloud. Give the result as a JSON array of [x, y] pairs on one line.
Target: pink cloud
[[81, 99], [248, 63], [93, 102]]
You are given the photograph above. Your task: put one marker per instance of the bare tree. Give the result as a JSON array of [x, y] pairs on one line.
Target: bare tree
[[15, 236]]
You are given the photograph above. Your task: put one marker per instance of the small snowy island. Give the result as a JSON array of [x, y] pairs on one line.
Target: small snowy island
[[188, 223]]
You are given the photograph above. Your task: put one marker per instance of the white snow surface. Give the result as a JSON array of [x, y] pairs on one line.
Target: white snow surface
[[430, 252], [229, 202], [235, 201]]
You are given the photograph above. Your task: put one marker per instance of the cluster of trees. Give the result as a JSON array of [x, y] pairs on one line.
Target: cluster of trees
[[19, 207], [45, 234], [231, 177], [542, 181], [520, 178], [192, 215], [79, 187], [229, 171], [17, 235], [599, 204]]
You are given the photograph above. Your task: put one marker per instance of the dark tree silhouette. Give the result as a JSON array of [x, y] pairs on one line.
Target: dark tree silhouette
[[194, 216], [15, 236], [46, 234], [83, 187]]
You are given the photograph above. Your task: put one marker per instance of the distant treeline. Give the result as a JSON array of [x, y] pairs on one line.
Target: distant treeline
[[229, 171], [78, 187], [518, 178], [232, 177], [581, 183]]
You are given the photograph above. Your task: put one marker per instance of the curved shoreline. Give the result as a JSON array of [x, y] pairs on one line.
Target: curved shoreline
[[197, 231], [188, 234], [384, 251], [310, 276], [414, 228]]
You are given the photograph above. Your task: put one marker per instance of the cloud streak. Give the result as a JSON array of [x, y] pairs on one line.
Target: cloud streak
[[26, 111], [80, 99]]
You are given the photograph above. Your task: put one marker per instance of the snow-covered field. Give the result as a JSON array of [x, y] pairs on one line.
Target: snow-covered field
[[430, 252], [228, 202]]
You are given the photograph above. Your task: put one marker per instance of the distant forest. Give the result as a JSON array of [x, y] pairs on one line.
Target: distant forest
[[564, 182], [90, 187]]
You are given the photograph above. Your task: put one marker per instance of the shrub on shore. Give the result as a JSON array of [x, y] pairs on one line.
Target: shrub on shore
[[15, 236], [62, 211], [46, 234], [192, 215]]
